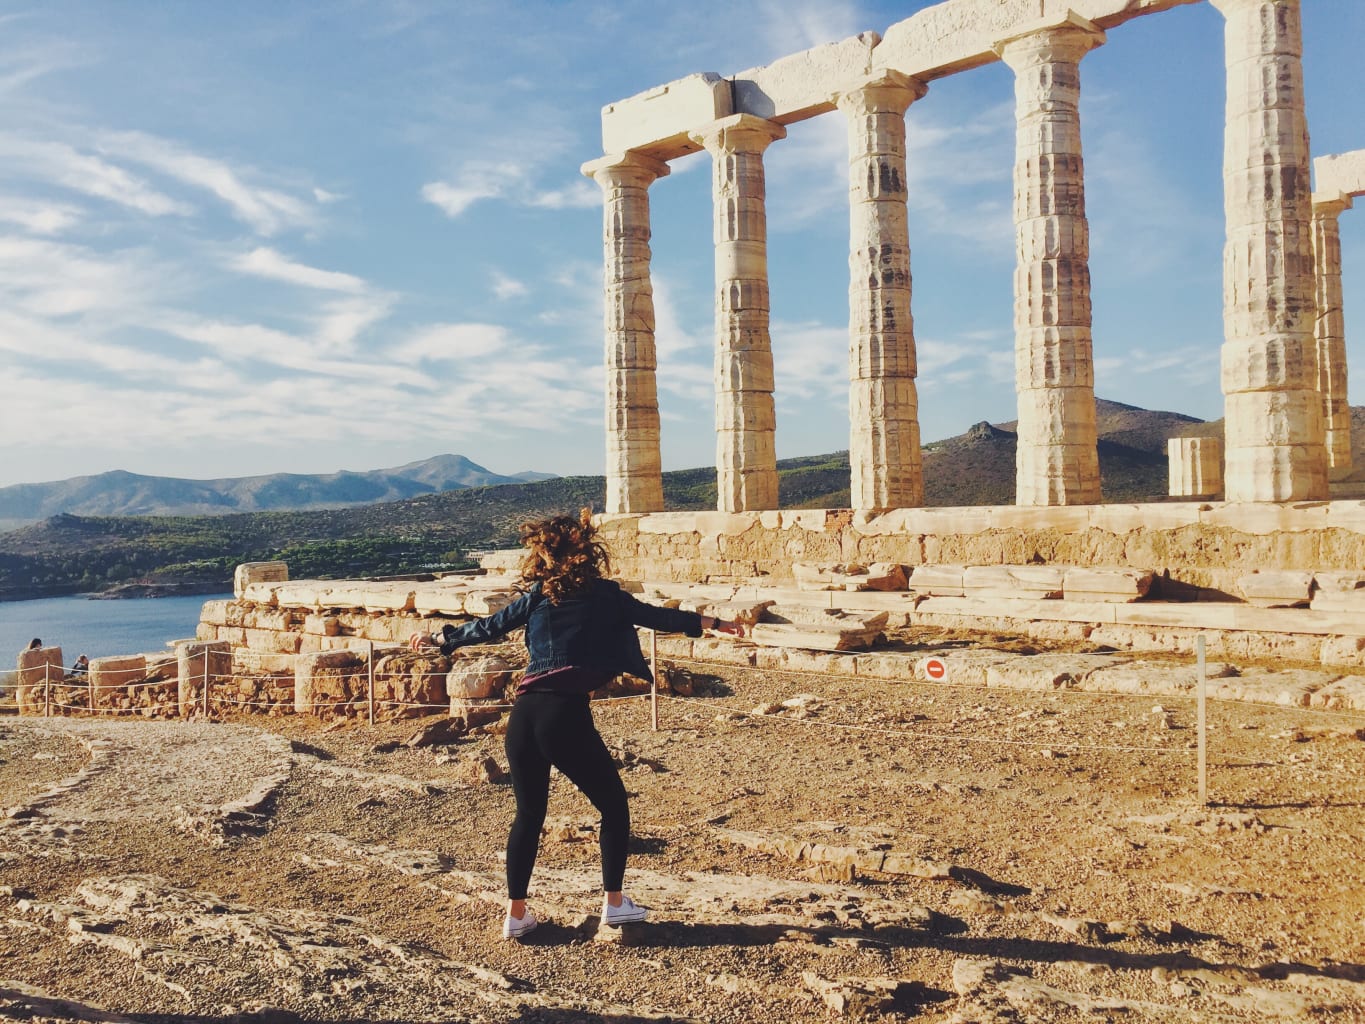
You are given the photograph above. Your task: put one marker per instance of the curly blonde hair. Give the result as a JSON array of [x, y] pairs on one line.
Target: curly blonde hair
[[563, 555]]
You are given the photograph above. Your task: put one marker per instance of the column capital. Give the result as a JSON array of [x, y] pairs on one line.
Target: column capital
[[1070, 38], [738, 133], [1331, 204], [884, 90], [620, 168]]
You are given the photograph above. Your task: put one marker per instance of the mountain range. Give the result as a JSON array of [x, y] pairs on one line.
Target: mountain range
[[119, 493], [136, 555]]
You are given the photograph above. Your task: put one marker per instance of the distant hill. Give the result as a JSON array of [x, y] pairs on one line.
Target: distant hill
[[70, 554], [119, 493]]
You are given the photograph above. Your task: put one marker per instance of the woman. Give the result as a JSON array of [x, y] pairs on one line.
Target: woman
[[580, 634]]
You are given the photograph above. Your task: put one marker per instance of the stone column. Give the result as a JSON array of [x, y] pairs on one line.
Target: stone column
[[634, 469], [746, 425], [1330, 333], [883, 407], [1272, 412], [1057, 462]]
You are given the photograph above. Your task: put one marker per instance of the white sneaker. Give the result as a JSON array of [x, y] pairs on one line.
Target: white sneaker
[[627, 913], [516, 927]]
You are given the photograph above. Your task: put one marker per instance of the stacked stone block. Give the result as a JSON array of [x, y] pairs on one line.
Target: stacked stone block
[[1273, 414], [884, 439], [1057, 462], [1330, 333], [634, 470], [746, 421]]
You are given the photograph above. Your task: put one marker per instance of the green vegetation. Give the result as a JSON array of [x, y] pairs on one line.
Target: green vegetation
[[72, 554]]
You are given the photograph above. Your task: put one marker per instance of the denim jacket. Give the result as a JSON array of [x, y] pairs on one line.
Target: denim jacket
[[594, 628]]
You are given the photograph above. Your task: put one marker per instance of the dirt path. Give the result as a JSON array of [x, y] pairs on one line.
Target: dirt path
[[810, 846]]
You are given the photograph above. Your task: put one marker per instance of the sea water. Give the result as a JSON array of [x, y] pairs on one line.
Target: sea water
[[79, 625]]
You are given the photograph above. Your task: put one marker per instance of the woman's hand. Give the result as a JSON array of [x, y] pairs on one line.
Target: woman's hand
[[421, 641]]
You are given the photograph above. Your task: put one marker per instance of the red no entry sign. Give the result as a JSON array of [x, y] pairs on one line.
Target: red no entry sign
[[935, 668]]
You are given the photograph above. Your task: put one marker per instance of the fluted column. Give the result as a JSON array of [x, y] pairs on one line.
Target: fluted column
[[1057, 462], [883, 407], [1273, 420], [634, 469], [746, 424], [1330, 333]]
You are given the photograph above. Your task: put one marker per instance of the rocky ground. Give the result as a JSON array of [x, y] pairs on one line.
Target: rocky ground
[[811, 846]]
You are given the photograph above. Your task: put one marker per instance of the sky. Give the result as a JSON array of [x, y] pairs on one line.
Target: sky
[[267, 237]]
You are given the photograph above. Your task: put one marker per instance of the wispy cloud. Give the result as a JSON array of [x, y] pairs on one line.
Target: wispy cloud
[[474, 183], [38, 217], [92, 175], [265, 262], [266, 210], [452, 342], [53, 279], [505, 287], [578, 195], [512, 181]]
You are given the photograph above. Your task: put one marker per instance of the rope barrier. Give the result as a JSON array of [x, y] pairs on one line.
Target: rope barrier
[[1094, 694], [850, 727]]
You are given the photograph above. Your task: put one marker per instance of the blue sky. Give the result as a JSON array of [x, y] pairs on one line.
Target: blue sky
[[262, 237]]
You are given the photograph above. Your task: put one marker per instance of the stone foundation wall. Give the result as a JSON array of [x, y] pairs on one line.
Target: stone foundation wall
[[1197, 550]]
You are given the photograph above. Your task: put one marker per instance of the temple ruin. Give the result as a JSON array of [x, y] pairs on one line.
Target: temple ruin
[[1254, 560], [1283, 357]]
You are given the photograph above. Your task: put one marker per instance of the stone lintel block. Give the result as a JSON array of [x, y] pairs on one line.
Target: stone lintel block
[[1037, 582], [1120, 584], [486, 602], [261, 593], [258, 572], [440, 600], [938, 580], [294, 594], [1271, 588], [1266, 517], [1120, 519], [961, 34], [1352, 601], [1341, 174], [1062, 518], [1018, 608], [667, 523], [727, 524], [914, 521], [1339, 581], [1317, 621], [657, 122], [804, 84]]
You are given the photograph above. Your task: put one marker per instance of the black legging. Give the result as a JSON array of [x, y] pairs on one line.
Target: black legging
[[556, 729]]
